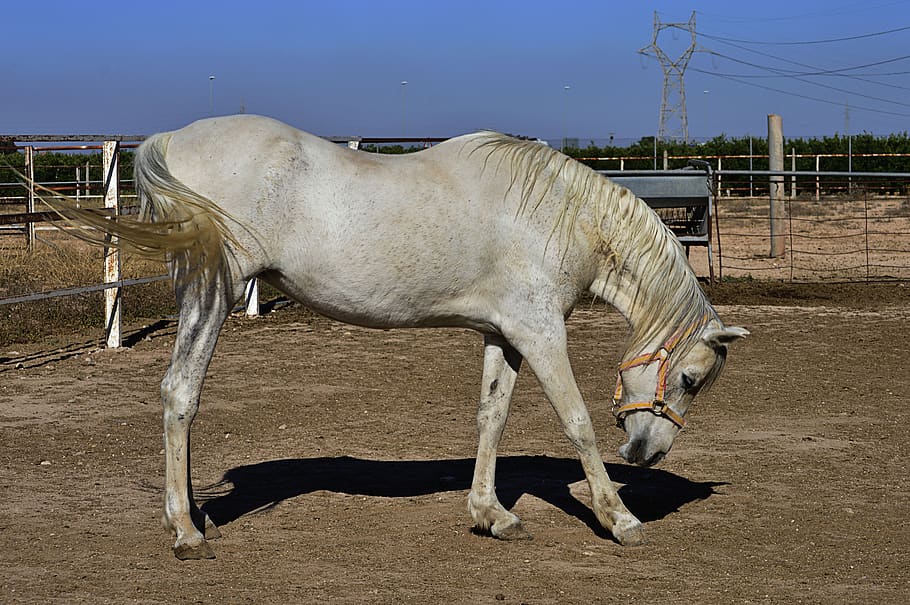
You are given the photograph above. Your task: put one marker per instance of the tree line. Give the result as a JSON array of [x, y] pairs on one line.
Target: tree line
[[729, 147], [60, 167]]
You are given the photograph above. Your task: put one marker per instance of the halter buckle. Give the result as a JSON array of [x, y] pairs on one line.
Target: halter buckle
[[617, 414]]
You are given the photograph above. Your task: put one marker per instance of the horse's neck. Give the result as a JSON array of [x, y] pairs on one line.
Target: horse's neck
[[621, 287], [617, 289]]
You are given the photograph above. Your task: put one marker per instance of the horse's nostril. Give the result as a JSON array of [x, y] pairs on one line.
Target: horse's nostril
[[655, 459], [632, 451]]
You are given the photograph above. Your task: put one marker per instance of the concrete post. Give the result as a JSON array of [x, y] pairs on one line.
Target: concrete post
[[776, 185]]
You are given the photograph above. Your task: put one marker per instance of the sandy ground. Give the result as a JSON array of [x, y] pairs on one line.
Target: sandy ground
[[337, 461]]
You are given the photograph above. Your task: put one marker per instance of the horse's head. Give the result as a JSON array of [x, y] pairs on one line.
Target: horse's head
[[655, 389]]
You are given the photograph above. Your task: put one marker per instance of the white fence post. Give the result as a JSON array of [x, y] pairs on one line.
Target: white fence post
[[793, 168], [30, 200], [251, 297], [111, 154], [818, 186]]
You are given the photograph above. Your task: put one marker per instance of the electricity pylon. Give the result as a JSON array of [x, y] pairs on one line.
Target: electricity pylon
[[674, 124]]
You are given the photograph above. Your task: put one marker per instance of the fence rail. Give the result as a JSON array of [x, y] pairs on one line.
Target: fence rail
[[14, 300], [843, 226]]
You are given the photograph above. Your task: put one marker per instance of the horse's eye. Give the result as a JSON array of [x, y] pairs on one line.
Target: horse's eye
[[687, 382]]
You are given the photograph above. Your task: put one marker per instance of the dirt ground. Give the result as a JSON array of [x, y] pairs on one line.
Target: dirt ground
[[337, 462]]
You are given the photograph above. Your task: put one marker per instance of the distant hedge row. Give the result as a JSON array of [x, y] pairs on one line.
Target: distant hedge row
[[722, 146], [56, 167]]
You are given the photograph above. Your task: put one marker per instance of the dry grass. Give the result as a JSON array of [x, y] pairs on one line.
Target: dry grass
[[59, 261]]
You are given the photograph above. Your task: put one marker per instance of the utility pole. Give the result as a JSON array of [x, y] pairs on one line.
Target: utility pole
[[211, 96], [404, 83], [674, 123]]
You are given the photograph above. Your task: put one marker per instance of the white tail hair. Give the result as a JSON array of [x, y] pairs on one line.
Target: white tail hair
[[174, 223]]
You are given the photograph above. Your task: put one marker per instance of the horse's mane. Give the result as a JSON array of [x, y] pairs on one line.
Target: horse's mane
[[666, 296]]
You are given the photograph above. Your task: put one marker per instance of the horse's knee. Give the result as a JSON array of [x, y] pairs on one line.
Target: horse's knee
[[580, 432]]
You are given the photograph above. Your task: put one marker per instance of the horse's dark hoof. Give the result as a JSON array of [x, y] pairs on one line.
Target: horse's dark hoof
[[512, 532], [197, 551]]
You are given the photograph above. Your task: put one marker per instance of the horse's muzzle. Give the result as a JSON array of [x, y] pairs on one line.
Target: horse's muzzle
[[636, 451]]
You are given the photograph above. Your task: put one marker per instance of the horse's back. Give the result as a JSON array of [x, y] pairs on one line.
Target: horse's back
[[425, 238]]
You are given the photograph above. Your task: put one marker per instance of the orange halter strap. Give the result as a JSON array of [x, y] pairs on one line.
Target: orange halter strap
[[657, 405]]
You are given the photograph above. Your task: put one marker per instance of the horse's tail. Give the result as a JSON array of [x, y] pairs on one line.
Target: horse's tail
[[174, 223], [173, 218]]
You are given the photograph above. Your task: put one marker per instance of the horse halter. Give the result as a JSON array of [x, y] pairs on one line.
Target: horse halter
[[656, 406]]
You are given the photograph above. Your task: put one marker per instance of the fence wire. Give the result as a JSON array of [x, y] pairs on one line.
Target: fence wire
[[843, 228]]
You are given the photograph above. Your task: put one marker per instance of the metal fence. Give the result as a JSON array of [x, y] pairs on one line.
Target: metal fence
[[838, 226]]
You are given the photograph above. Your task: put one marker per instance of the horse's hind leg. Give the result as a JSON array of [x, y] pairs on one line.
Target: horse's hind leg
[[203, 309], [500, 369]]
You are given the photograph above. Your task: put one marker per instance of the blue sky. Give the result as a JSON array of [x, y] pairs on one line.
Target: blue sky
[[336, 67]]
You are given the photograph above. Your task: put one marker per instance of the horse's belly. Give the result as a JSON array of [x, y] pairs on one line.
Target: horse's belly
[[364, 298]]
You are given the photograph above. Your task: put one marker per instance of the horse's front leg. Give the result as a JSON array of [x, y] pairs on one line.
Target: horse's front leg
[[544, 346], [201, 317], [500, 369]]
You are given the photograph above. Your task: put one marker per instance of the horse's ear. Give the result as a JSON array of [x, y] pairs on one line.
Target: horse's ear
[[718, 337]]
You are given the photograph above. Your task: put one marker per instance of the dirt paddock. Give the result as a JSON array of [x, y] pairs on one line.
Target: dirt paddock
[[337, 461]]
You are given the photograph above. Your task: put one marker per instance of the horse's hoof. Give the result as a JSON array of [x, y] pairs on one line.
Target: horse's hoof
[[199, 551], [514, 531], [633, 535]]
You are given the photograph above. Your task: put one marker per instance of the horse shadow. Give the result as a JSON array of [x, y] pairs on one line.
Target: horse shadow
[[650, 494]]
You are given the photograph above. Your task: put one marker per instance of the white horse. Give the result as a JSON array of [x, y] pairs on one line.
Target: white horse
[[482, 231]]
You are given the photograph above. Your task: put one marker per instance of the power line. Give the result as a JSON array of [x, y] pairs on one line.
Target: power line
[[858, 7], [817, 71], [796, 74], [769, 76], [801, 96], [808, 73], [819, 84], [808, 42], [779, 73]]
